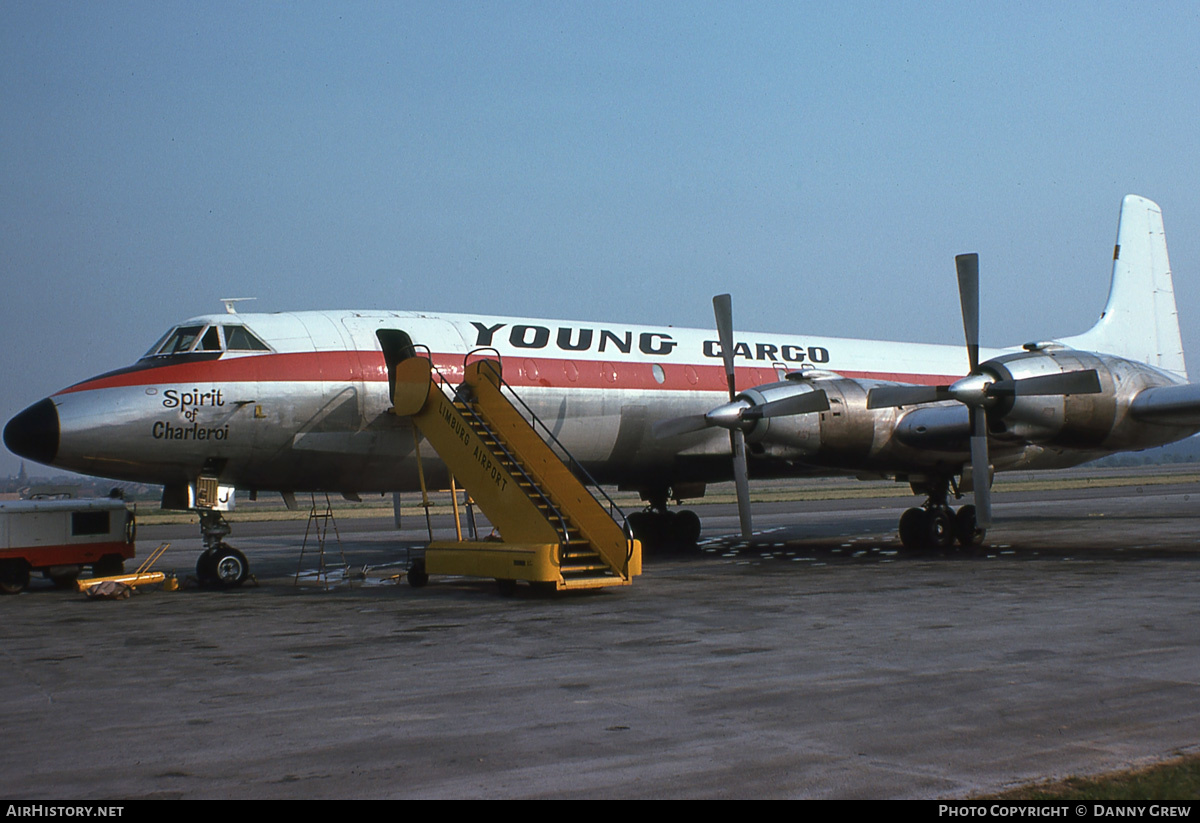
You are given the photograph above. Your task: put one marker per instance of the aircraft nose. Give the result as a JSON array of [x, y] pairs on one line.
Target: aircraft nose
[[33, 434]]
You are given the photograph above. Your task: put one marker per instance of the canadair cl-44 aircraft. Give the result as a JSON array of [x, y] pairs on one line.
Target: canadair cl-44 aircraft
[[299, 402]]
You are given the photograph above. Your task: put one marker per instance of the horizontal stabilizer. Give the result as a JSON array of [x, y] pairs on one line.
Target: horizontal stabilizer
[[1168, 405]]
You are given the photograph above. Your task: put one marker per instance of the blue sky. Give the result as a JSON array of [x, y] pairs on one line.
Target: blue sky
[[587, 160]]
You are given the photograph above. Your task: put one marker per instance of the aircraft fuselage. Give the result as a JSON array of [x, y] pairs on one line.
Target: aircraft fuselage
[[308, 411]]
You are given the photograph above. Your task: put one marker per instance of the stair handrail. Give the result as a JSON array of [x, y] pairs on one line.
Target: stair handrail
[[573, 465], [456, 392]]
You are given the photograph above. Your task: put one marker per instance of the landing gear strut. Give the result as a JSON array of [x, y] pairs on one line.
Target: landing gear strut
[[661, 529], [936, 525], [220, 565]]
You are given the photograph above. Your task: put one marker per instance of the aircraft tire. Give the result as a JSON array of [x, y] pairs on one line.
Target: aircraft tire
[[14, 576], [229, 566], [939, 528], [206, 573], [665, 530], [686, 528], [912, 529], [645, 527], [965, 529]]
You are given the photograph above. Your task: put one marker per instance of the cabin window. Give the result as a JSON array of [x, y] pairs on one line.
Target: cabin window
[[89, 523]]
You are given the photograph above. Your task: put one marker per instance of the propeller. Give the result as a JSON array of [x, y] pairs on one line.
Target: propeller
[[723, 309], [967, 267], [740, 413], [979, 389]]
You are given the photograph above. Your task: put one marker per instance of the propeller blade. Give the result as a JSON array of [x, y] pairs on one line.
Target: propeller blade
[[968, 295], [979, 468], [741, 477], [1086, 381], [884, 397], [731, 415], [723, 309], [679, 425], [805, 403]]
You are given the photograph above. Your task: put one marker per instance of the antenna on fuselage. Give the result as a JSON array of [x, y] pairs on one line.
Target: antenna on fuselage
[[229, 302]]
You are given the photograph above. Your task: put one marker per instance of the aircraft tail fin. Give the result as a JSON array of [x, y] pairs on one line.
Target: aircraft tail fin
[[1140, 321]]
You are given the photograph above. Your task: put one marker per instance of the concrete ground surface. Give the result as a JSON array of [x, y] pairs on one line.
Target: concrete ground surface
[[818, 661]]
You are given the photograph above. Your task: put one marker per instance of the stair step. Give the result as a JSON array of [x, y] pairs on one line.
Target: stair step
[[576, 571], [580, 554], [594, 582]]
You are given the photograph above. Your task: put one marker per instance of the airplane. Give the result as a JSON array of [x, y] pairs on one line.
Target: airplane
[[296, 402]]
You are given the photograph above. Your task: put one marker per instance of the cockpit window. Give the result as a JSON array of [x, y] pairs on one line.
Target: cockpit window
[[216, 338], [180, 340], [154, 349], [211, 341], [239, 338]]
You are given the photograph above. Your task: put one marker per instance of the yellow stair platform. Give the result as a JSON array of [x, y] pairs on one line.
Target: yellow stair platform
[[552, 529]]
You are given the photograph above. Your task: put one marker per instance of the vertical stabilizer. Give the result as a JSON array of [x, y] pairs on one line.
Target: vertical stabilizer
[[1140, 321]]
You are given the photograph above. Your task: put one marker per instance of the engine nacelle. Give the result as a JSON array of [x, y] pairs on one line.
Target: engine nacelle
[[1076, 421], [847, 429], [851, 436]]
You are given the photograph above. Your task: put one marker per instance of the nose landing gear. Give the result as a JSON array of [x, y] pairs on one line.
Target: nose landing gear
[[220, 565]]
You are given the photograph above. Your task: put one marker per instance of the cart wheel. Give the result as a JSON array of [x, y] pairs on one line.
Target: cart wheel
[[14, 576]]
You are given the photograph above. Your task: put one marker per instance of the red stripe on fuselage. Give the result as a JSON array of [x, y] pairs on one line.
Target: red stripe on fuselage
[[520, 372], [333, 366]]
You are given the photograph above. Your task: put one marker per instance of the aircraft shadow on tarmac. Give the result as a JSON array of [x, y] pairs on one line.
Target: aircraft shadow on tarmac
[[798, 545]]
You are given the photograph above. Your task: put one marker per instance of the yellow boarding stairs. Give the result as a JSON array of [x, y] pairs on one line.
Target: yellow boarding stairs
[[553, 531]]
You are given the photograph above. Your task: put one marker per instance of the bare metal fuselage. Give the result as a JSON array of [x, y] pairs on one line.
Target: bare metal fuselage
[[312, 413]]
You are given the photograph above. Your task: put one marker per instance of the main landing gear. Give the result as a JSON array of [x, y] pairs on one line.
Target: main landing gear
[[938, 526], [220, 565], [661, 529]]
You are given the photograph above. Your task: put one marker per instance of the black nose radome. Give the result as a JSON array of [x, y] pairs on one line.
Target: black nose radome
[[33, 434]]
